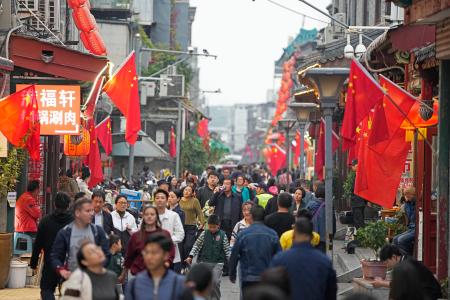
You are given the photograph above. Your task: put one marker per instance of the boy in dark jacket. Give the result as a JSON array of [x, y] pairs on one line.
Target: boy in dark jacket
[[46, 234], [116, 262], [212, 247]]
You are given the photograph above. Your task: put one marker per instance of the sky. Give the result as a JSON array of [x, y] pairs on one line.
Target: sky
[[248, 37]]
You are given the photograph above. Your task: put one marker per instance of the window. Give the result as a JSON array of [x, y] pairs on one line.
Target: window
[[159, 139]]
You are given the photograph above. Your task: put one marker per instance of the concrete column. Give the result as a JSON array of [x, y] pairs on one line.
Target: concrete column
[[328, 113]]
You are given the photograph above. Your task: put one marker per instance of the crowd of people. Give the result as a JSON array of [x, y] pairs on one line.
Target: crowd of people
[[266, 234]]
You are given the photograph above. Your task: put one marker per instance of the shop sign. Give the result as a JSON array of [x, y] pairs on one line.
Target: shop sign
[[59, 108], [3, 146], [407, 179]]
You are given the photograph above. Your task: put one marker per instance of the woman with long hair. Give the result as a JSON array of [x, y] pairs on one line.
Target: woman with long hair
[[150, 225], [193, 215], [297, 204]]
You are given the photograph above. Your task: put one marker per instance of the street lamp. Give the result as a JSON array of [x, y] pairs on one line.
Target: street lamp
[[286, 125], [328, 83], [302, 110]]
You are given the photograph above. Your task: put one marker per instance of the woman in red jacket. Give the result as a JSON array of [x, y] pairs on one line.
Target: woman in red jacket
[[27, 210], [150, 225]]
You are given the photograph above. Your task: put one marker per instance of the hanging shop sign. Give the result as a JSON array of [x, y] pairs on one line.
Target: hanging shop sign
[[59, 108]]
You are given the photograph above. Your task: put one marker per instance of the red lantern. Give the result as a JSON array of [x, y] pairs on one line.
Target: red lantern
[[95, 42], [76, 3], [83, 19], [77, 145], [286, 76], [84, 40]]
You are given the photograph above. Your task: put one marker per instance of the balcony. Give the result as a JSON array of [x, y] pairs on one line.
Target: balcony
[[111, 9]]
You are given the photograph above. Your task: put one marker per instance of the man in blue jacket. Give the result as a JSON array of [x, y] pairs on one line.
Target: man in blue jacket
[[157, 282], [69, 239], [310, 271], [254, 248]]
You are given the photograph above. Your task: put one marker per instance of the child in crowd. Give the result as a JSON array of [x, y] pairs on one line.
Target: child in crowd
[[212, 248], [115, 247]]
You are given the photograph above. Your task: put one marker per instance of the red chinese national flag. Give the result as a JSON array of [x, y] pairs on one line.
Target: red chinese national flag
[[362, 95], [276, 159], [320, 151], [172, 144], [202, 128], [122, 88], [378, 175], [93, 160], [19, 121], [103, 132], [389, 114]]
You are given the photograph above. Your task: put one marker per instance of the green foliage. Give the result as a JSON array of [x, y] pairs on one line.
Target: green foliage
[[372, 236], [10, 168], [348, 185], [217, 151], [193, 155]]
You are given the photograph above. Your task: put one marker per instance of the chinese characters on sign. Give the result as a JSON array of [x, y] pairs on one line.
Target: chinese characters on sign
[[59, 108], [407, 179]]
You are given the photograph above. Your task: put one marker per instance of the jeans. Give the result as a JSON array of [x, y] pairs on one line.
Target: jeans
[[405, 241], [217, 276], [47, 294], [358, 216]]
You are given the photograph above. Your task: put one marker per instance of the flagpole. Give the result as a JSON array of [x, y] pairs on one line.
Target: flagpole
[[178, 140]]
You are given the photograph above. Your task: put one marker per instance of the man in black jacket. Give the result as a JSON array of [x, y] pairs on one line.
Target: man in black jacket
[[46, 234], [227, 205], [101, 217], [206, 192]]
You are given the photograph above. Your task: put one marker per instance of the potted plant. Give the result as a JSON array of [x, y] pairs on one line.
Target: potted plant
[[10, 168], [373, 236]]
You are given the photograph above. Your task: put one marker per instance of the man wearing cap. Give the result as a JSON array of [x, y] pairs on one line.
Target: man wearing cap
[[357, 203]]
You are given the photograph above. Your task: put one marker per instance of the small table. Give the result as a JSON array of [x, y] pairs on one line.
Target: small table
[[361, 285]]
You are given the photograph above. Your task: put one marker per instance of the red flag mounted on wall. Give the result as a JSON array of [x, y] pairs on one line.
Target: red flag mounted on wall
[[172, 144], [320, 151], [93, 160], [362, 95], [103, 132], [19, 121], [122, 88], [378, 175], [389, 114]]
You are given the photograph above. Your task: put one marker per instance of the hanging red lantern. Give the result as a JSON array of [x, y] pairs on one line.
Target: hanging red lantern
[[95, 42], [77, 145], [84, 40], [286, 76], [76, 3], [83, 19]]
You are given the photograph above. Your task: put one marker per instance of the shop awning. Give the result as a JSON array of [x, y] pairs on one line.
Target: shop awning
[[144, 148], [57, 60]]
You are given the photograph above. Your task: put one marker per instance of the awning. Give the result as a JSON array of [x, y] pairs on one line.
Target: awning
[[41, 56], [144, 148]]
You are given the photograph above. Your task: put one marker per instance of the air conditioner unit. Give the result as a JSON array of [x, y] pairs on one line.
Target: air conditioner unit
[[33, 5], [171, 86], [147, 89]]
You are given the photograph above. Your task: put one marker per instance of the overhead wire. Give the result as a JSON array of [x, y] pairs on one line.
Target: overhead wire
[[295, 11]]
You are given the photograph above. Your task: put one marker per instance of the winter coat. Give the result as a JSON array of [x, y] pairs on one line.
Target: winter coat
[[68, 185], [317, 208], [218, 202], [61, 246], [47, 230], [107, 225], [27, 213], [142, 287]]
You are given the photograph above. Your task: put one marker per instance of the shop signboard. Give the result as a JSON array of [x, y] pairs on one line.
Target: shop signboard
[[59, 108]]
